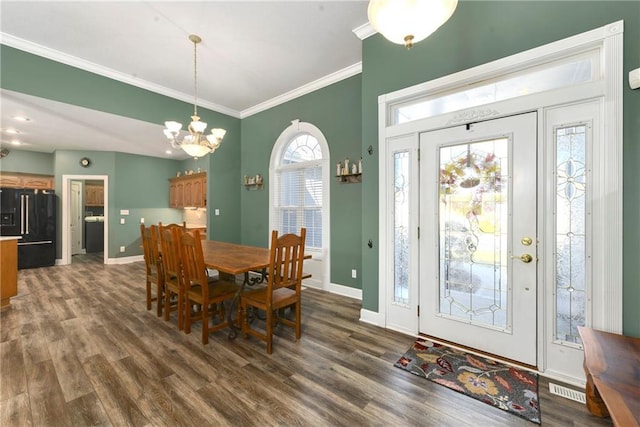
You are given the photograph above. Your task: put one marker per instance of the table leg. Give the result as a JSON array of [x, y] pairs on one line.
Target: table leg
[[595, 404], [251, 281]]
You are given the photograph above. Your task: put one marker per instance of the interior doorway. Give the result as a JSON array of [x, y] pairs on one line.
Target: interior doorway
[[70, 212]]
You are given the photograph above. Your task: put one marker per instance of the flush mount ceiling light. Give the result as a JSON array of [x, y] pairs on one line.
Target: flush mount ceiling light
[[409, 21], [195, 144]]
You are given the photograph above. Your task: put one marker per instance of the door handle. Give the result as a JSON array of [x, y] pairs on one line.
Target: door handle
[[27, 221], [22, 214], [526, 258]]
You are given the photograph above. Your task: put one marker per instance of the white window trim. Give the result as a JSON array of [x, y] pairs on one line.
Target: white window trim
[[607, 230], [297, 127]]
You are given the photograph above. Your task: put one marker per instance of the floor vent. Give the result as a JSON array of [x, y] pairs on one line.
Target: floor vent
[[568, 393]]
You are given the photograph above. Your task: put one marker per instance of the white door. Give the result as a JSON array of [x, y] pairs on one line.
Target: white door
[[76, 220], [478, 242]]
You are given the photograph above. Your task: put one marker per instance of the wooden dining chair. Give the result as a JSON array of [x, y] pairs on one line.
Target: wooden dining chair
[[200, 291], [183, 226], [153, 263], [173, 277], [284, 287]]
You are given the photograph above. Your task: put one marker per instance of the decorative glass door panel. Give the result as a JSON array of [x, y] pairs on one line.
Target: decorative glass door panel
[[478, 257], [401, 236], [570, 245], [401, 218], [473, 228]]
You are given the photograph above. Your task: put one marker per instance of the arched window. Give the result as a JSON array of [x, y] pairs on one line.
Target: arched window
[[299, 191]]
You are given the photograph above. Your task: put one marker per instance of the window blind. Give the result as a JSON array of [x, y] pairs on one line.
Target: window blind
[[298, 201]]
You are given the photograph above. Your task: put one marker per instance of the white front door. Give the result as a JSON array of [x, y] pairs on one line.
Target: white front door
[[478, 256]]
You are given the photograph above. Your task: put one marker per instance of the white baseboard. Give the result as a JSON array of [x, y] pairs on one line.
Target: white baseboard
[[345, 291], [125, 260], [372, 317]]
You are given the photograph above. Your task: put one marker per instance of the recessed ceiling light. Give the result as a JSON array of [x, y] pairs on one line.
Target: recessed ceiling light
[[11, 131], [16, 142], [21, 118], [169, 152]]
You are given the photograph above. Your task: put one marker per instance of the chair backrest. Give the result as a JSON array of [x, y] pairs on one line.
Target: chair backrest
[[170, 243], [183, 226], [286, 259], [193, 267], [150, 248]]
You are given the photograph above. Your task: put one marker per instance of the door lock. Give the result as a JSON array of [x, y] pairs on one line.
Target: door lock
[[527, 241], [526, 258]]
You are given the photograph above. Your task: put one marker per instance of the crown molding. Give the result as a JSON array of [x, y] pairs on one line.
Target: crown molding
[[322, 82], [55, 55], [363, 31]]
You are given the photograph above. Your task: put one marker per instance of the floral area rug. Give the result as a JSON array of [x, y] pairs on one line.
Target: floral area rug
[[497, 384]]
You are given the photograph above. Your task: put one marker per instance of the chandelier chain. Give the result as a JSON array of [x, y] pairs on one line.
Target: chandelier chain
[[195, 78]]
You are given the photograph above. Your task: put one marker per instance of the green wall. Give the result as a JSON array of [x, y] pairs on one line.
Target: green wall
[[136, 183], [31, 74], [480, 32], [335, 110], [23, 161]]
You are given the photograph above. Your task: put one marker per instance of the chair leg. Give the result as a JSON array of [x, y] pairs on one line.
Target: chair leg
[[181, 310], [148, 295], [298, 323], [269, 331], [205, 323], [160, 299]]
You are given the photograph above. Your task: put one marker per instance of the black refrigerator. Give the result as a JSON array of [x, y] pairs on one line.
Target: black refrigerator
[[30, 214]]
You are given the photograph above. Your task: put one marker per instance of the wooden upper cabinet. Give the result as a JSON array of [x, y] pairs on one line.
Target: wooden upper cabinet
[[93, 195], [23, 180], [188, 191]]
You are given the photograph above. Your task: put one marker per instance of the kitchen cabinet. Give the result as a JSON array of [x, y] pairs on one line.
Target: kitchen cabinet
[[94, 195], [188, 191], [8, 270], [23, 180]]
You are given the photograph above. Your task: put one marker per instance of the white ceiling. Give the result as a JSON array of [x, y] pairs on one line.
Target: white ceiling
[[253, 54]]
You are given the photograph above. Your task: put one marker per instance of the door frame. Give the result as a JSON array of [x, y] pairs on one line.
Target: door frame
[[606, 306], [73, 212], [66, 215]]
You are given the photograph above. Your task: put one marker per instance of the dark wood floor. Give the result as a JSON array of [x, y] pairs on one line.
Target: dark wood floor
[[79, 348]]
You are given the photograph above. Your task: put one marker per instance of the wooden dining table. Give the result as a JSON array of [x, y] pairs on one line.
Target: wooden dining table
[[231, 259]]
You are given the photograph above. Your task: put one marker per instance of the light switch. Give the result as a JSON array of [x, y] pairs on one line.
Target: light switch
[[121, 220], [141, 220], [217, 212]]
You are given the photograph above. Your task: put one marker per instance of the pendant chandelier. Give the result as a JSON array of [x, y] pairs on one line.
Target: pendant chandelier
[[409, 21], [195, 144]]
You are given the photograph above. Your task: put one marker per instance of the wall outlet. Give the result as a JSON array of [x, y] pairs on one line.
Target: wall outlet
[[122, 248], [121, 220], [354, 273], [124, 212], [141, 220]]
